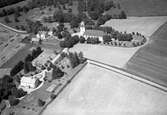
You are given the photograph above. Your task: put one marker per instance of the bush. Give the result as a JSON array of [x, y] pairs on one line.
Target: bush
[[53, 96], [6, 19], [13, 101], [82, 39], [93, 40], [41, 103]]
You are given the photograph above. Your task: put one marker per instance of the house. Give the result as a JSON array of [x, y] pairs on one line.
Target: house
[[29, 82], [89, 33]]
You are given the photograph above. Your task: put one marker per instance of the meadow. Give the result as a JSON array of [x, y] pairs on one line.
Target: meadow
[[98, 91], [144, 7], [115, 56], [144, 25]]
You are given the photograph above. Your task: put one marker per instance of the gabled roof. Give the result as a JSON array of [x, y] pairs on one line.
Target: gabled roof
[[94, 33]]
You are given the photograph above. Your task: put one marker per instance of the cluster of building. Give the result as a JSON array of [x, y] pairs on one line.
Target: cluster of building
[[33, 79], [89, 33], [43, 35]]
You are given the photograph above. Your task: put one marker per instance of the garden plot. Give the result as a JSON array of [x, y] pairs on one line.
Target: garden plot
[[144, 25], [97, 91]]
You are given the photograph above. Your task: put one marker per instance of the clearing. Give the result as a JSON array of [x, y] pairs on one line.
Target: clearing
[[97, 91], [144, 25]]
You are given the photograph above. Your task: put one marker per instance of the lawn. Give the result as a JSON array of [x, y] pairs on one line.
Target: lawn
[[144, 25], [97, 91], [150, 61], [144, 7], [116, 56]]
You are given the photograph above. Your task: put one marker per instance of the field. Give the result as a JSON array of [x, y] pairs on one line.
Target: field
[[150, 61], [116, 56], [97, 91], [5, 35], [144, 7], [144, 25]]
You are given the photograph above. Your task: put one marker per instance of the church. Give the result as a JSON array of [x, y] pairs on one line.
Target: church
[[89, 33]]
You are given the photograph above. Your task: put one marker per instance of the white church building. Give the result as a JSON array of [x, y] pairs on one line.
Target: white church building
[[86, 33]]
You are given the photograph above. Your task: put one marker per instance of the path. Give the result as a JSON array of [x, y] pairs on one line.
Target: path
[[12, 29]]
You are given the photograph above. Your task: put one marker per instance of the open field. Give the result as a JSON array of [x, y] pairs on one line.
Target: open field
[[5, 35], [97, 91], [150, 61], [144, 7], [144, 25], [116, 56]]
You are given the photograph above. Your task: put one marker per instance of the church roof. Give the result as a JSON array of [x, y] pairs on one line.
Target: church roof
[[94, 33]]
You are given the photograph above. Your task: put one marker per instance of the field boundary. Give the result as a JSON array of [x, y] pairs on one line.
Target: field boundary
[[127, 74]]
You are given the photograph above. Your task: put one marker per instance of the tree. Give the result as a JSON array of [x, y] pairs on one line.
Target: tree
[[17, 68], [16, 19], [6, 19], [106, 39], [57, 73], [26, 67], [94, 15], [41, 103], [18, 93], [75, 21], [82, 39], [53, 96], [13, 101], [58, 16], [123, 15]]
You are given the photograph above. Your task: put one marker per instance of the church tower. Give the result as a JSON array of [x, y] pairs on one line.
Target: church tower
[[82, 28]]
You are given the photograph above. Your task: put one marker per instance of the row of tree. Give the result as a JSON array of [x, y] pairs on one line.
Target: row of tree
[[75, 58], [26, 65], [16, 11], [69, 42], [4, 3]]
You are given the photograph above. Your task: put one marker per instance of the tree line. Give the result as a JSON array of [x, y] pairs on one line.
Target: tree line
[[26, 65], [4, 3]]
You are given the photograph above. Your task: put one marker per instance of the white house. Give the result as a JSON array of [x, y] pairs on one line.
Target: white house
[[89, 33], [29, 82]]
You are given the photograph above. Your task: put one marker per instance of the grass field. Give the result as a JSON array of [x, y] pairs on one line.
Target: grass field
[[150, 61], [97, 91], [5, 35], [144, 25], [144, 7], [116, 56]]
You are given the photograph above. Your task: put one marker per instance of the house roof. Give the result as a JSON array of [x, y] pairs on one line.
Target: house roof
[[28, 80], [45, 56], [94, 33]]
